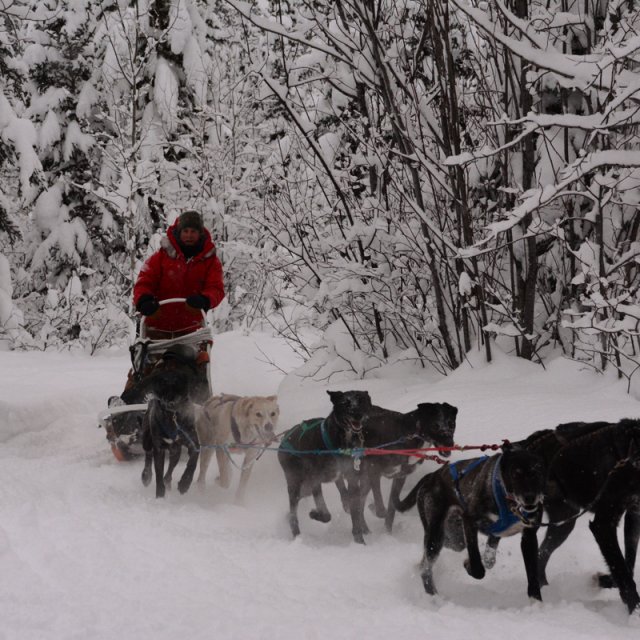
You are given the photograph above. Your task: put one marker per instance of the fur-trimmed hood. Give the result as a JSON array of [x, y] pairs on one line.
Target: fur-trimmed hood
[[171, 244]]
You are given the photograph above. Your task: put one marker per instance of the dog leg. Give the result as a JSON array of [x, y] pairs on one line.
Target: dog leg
[[249, 458], [358, 488], [174, 458], [187, 477], [631, 536], [394, 497], [378, 502], [432, 515], [473, 563], [158, 463], [344, 493], [490, 552], [529, 548], [147, 445], [224, 479], [321, 512], [603, 526], [554, 537], [294, 487], [146, 472], [205, 458]]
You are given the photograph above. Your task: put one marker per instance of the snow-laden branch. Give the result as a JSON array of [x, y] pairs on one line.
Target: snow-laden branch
[[572, 71], [597, 122], [544, 195], [272, 26]]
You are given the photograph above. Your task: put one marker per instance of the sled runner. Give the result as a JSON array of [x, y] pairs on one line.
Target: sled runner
[[122, 420]]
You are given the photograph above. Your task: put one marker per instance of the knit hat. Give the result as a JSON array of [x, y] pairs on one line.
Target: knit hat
[[190, 220]]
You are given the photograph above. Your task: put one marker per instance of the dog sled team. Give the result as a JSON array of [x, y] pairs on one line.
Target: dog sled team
[[546, 481]]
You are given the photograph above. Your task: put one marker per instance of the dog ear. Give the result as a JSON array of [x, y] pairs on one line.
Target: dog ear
[[508, 446], [335, 396]]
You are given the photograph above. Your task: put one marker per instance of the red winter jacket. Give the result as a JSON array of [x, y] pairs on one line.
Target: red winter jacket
[[168, 274]]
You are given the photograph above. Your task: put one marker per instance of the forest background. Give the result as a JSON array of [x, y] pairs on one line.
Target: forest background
[[412, 179]]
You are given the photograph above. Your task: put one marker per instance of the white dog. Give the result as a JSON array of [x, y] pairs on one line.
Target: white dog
[[228, 420]]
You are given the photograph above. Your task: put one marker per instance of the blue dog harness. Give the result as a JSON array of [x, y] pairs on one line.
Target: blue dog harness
[[506, 518]]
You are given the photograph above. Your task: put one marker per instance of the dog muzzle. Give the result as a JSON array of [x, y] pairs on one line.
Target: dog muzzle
[[355, 426], [529, 514]]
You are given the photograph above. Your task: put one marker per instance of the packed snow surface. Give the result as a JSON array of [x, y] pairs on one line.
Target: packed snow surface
[[87, 552]]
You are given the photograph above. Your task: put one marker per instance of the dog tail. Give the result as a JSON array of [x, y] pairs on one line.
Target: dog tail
[[411, 498]]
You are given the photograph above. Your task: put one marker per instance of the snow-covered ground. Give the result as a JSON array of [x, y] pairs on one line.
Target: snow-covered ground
[[87, 552]]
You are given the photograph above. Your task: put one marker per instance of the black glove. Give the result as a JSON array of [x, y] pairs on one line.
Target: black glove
[[198, 301], [147, 304]]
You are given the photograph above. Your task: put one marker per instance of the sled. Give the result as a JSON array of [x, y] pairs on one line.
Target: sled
[[122, 420]]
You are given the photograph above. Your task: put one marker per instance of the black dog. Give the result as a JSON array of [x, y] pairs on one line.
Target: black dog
[[306, 467], [433, 423], [169, 424], [499, 495], [593, 467], [124, 430]]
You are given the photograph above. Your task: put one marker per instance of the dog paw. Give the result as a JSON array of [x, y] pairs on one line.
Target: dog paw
[[379, 512], [295, 528], [183, 487], [488, 559], [146, 477], [476, 572], [605, 581], [427, 583], [223, 483], [320, 516], [534, 593]]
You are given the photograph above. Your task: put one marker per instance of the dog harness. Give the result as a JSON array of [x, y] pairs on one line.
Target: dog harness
[[302, 429], [506, 517]]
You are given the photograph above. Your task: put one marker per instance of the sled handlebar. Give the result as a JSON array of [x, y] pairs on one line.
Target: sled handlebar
[[178, 300], [171, 300]]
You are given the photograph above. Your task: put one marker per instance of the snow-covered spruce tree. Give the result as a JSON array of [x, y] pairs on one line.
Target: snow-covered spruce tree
[[63, 294], [19, 165], [120, 93]]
